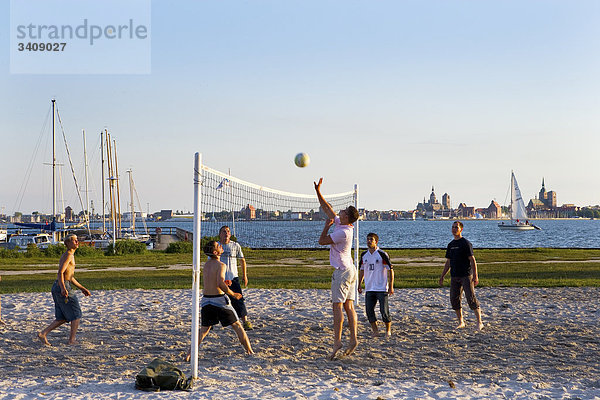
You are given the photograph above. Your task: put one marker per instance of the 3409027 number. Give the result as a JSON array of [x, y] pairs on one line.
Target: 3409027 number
[[34, 46]]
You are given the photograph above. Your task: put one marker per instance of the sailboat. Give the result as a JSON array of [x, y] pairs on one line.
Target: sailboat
[[518, 214], [51, 227], [131, 233]]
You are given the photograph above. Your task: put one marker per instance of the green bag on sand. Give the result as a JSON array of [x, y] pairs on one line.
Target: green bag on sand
[[161, 375]]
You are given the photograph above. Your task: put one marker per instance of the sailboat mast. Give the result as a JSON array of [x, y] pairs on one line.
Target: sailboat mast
[[130, 172], [87, 200], [118, 188], [53, 167], [103, 183], [111, 188], [512, 191], [62, 196]]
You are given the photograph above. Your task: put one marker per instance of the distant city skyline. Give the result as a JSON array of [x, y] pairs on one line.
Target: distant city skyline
[[394, 96], [427, 202]]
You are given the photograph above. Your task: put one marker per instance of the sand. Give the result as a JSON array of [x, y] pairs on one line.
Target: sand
[[537, 343]]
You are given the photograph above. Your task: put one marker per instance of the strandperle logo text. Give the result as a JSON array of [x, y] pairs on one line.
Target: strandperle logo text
[[84, 31]]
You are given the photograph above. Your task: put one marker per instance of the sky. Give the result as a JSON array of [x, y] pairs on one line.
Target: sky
[[395, 96]]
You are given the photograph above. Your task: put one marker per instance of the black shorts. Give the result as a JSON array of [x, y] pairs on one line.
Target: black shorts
[[212, 315]]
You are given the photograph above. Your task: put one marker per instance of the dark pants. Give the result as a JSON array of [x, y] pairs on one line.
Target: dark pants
[[371, 298], [238, 305], [457, 285]]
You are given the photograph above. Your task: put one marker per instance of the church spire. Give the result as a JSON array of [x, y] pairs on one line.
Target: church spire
[[543, 184]]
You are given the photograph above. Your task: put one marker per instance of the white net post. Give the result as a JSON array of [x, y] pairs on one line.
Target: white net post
[[356, 244], [196, 264]]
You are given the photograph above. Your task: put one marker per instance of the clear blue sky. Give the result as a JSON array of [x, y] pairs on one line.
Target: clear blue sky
[[396, 96]]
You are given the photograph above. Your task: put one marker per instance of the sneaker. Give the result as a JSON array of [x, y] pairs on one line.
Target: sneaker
[[248, 326]]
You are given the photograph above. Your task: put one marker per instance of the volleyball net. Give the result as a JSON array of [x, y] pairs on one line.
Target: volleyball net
[[261, 217]]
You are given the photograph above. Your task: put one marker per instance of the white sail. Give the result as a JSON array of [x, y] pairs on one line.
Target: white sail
[[518, 210]]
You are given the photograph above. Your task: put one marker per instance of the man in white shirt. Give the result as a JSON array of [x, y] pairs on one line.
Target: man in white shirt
[[232, 252], [344, 274], [378, 273]]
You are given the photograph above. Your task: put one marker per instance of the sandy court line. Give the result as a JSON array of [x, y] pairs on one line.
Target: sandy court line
[[537, 341]]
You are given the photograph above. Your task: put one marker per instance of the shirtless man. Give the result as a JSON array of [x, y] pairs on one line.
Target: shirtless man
[[66, 305], [216, 305]]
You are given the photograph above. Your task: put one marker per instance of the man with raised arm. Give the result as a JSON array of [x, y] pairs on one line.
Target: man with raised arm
[[344, 274], [216, 303], [463, 274], [66, 304]]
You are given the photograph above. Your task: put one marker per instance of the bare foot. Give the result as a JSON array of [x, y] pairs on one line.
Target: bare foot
[[388, 333], [43, 339], [480, 327], [336, 348], [249, 352], [72, 342], [351, 347], [461, 325], [375, 333]]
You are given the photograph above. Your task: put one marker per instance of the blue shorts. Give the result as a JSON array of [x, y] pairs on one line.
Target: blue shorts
[[65, 308]]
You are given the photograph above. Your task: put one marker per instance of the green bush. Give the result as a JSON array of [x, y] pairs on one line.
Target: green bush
[[180, 247], [54, 250], [123, 247], [88, 251], [33, 251], [10, 253]]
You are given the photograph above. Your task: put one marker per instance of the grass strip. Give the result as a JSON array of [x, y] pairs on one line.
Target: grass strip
[[305, 269]]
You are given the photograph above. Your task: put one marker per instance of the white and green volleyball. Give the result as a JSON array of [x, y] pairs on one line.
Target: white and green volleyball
[[302, 160]]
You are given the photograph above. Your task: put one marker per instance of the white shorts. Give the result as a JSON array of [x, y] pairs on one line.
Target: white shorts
[[342, 285]]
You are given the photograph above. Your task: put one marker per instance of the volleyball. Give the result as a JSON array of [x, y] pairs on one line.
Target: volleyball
[[302, 160]]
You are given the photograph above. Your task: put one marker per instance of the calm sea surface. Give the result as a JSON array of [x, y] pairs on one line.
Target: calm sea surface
[[408, 234]]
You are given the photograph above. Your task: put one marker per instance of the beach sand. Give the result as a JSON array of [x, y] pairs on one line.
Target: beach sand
[[537, 343]]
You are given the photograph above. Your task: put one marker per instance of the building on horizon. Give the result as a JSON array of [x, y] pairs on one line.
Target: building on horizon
[[494, 211], [464, 212], [166, 214], [446, 201], [69, 213], [429, 208], [547, 197], [545, 205], [249, 212]]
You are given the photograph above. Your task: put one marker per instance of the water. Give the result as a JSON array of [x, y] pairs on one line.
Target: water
[[408, 234]]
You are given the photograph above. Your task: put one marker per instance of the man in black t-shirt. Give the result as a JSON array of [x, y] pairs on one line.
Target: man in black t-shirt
[[463, 274]]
